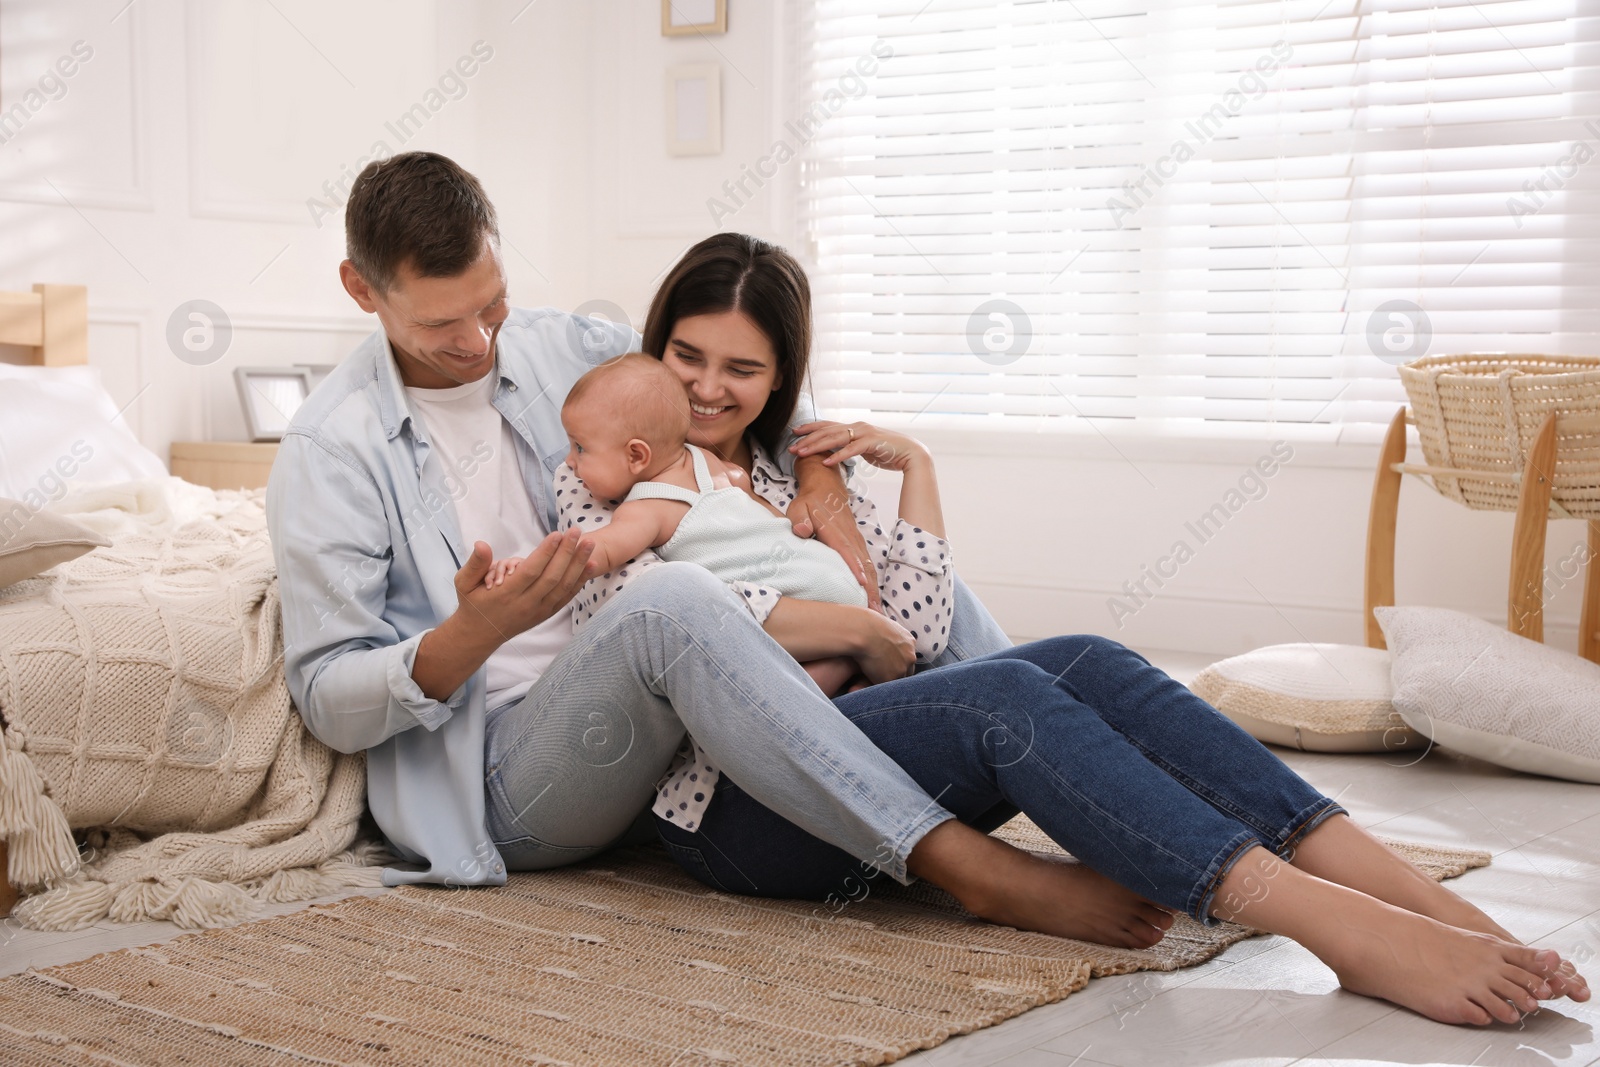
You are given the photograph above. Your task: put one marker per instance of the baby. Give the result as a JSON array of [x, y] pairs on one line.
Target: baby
[[627, 421]]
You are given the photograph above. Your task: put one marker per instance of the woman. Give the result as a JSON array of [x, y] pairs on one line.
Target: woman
[[1117, 762]]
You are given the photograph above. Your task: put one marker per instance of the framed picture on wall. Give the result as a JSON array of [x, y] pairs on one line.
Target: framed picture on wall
[[679, 18], [694, 109]]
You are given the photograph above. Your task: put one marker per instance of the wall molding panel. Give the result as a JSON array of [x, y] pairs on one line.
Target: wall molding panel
[[137, 195]]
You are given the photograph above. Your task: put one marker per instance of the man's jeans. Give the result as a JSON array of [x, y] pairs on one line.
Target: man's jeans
[[572, 765], [1117, 762]]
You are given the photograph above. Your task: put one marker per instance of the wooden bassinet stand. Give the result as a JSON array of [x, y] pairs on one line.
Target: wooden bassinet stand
[[1525, 598]]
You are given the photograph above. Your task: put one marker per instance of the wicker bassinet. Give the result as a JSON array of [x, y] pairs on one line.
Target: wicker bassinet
[[1479, 414]]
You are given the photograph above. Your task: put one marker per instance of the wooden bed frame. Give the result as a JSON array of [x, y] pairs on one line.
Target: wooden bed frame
[[53, 321], [51, 325]]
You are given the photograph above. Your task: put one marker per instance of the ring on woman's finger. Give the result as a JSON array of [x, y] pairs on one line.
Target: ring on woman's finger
[[851, 430]]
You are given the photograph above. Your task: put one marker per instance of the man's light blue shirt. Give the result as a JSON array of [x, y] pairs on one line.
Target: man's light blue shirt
[[362, 517]]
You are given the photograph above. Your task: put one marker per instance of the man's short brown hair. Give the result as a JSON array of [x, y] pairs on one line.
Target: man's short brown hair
[[419, 208]]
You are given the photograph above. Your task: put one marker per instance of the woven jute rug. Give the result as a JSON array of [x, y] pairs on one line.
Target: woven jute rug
[[624, 960]]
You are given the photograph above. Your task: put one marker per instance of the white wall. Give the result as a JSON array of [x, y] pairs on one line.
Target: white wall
[[646, 206], [184, 161], [1046, 529], [181, 159], [1285, 567]]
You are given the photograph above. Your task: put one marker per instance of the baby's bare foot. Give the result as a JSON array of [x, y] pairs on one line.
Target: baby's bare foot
[[1448, 974], [1067, 899]]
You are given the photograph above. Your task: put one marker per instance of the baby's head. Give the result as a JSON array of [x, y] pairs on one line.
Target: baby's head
[[625, 420]]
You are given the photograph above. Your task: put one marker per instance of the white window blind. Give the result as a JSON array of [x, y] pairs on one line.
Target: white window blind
[[1209, 215]]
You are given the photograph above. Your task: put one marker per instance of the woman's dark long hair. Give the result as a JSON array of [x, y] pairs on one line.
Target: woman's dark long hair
[[736, 272]]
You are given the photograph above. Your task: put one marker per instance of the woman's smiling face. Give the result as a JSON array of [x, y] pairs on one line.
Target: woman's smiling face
[[728, 368]]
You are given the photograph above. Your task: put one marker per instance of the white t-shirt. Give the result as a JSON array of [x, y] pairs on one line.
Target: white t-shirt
[[492, 505]]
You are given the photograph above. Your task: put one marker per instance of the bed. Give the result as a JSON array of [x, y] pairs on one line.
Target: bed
[[50, 327], [152, 765]]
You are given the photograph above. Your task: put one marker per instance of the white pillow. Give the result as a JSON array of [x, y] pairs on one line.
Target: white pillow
[[31, 542], [1313, 697], [58, 428], [1481, 690]]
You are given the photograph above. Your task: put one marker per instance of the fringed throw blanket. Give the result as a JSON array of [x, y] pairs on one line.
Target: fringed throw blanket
[[143, 702]]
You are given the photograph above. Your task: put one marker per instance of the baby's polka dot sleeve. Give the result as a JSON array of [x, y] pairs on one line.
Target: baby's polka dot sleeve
[[760, 599], [576, 506]]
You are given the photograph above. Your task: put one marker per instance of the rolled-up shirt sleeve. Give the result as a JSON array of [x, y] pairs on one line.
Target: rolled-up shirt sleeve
[[914, 576], [917, 587], [347, 668]]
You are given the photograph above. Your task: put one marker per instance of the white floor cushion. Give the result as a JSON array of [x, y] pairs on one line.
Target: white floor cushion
[[1481, 690], [1313, 697]]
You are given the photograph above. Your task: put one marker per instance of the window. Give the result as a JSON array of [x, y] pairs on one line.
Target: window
[[1188, 218]]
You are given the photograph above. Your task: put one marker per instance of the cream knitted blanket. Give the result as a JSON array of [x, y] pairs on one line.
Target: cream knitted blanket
[[143, 701]]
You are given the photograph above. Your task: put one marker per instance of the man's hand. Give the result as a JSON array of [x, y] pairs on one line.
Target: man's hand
[[541, 585], [499, 570], [487, 617], [821, 509]]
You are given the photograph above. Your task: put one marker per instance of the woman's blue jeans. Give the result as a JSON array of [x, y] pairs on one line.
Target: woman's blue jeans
[[1116, 761]]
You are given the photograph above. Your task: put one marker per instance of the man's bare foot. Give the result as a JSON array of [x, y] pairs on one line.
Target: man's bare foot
[[1381, 950], [1003, 884], [1339, 850]]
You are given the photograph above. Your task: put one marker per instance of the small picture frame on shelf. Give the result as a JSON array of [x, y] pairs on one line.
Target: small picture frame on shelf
[[269, 397], [681, 18], [694, 109]]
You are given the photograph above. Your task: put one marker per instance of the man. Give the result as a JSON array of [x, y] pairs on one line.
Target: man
[[435, 443]]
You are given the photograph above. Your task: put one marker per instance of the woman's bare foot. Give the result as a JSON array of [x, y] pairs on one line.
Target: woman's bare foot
[[1003, 884], [1381, 950], [1441, 971], [1340, 851]]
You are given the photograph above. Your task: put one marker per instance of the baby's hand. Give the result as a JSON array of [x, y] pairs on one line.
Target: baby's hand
[[500, 570]]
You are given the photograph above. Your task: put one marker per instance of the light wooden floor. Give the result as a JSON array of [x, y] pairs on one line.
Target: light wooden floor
[[1267, 1001]]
